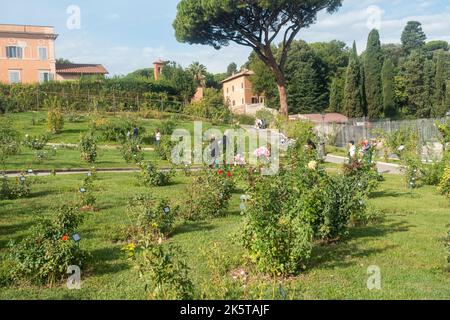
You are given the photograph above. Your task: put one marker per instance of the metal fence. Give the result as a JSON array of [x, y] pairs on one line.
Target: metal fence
[[359, 129]]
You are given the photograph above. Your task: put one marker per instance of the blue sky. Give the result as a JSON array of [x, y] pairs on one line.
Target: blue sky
[[127, 35]]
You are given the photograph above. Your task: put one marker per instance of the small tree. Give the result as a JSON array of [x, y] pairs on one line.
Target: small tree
[[88, 148], [55, 119]]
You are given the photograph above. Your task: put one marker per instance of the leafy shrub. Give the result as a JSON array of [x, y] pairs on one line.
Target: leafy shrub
[[365, 175], [131, 150], [432, 173], [55, 119], [244, 119], [413, 171], [167, 127], [44, 255], [36, 142], [151, 177], [87, 198], [210, 107], [163, 270], [165, 149], [88, 147], [118, 130], [208, 195], [19, 188], [9, 140], [265, 115], [444, 185], [287, 212], [152, 218], [277, 237]]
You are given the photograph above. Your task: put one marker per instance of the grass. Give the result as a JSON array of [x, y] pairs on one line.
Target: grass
[[69, 158], [408, 246]]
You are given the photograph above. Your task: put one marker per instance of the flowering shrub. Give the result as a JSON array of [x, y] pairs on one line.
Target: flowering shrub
[[152, 218], [19, 188], [87, 198], [131, 150], [163, 270], [151, 177], [208, 195], [88, 148], [365, 175], [413, 171], [286, 213], [36, 142], [43, 256]]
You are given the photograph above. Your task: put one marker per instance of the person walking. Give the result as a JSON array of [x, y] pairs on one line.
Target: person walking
[[136, 132], [158, 138], [214, 152], [352, 151]]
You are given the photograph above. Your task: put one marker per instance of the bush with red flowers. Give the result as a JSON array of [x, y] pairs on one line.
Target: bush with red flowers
[[43, 257]]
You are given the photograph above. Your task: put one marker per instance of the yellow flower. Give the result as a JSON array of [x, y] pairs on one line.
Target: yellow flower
[[312, 165]]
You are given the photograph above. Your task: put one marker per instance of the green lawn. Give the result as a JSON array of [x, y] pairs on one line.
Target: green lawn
[[408, 246], [69, 158]]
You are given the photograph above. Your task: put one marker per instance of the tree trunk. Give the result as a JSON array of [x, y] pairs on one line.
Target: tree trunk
[[281, 84]]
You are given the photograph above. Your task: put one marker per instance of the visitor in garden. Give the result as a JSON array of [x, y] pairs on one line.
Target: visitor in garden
[[136, 132], [352, 151], [214, 149], [310, 145], [366, 151], [158, 138]]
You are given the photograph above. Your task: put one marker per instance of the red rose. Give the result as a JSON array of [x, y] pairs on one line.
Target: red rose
[[220, 172], [229, 174], [65, 237]]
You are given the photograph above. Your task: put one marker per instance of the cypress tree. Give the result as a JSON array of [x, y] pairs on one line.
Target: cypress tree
[[353, 99], [336, 95], [415, 82], [440, 85], [426, 109], [388, 88], [373, 64]]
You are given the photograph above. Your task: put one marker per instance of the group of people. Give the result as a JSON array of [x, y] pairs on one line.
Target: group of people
[[365, 151], [134, 133]]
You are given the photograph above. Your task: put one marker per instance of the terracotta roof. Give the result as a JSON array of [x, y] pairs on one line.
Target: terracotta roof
[[238, 75], [77, 68], [318, 118]]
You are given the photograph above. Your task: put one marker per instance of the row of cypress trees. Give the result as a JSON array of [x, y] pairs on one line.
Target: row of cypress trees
[[418, 86]]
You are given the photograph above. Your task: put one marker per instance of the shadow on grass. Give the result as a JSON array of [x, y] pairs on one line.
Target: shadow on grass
[[189, 227], [10, 231], [388, 194], [107, 261], [344, 254]]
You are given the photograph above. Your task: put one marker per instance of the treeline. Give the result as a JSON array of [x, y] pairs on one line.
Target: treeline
[[407, 80]]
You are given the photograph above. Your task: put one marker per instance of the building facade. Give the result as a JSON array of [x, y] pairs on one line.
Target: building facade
[[238, 93], [27, 53]]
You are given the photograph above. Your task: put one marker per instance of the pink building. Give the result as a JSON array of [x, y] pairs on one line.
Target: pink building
[[27, 55]]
